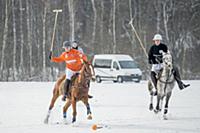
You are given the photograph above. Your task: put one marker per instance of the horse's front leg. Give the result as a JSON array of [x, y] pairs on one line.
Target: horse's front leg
[[150, 88], [74, 109], [158, 104], [65, 108], [166, 105], [53, 100], [89, 113]]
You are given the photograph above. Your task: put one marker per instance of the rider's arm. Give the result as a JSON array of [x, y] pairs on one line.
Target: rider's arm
[[165, 49], [61, 58], [150, 56]]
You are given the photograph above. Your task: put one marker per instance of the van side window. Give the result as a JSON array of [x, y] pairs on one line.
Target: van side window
[[102, 63], [115, 65]]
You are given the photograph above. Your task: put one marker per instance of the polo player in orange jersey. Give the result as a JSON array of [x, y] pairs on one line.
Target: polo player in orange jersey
[[74, 61]]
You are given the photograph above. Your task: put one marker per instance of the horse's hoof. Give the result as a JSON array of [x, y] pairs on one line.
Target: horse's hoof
[[156, 111], [165, 117], [165, 111], [73, 120], [151, 107], [89, 117], [65, 121]]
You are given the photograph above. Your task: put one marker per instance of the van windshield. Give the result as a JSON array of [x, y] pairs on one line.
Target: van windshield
[[127, 64]]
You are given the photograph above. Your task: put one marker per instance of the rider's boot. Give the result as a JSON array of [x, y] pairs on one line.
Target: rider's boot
[[177, 77], [154, 80], [66, 89]]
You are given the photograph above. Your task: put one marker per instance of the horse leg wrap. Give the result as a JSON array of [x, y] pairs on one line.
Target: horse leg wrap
[[47, 117], [166, 110], [150, 106], [88, 109], [73, 119], [64, 114]]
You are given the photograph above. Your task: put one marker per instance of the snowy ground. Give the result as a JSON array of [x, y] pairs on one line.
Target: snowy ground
[[119, 108]]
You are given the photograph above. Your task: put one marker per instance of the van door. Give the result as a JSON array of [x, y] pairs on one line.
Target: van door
[[103, 68], [115, 69]]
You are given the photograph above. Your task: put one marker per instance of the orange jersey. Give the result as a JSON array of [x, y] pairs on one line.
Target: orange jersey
[[72, 58]]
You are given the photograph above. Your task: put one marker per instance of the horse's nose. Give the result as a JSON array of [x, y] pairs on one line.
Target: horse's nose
[[169, 65], [93, 78]]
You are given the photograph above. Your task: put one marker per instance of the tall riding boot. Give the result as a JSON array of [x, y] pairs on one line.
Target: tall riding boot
[[66, 89], [154, 80], [178, 79]]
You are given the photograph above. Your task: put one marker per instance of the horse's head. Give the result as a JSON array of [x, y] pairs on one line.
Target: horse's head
[[167, 60], [88, 71]]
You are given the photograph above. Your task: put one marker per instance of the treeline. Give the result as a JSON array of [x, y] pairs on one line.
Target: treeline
[[100, 26]]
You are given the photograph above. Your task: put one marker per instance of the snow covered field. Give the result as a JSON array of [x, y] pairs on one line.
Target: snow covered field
[[119, 108]]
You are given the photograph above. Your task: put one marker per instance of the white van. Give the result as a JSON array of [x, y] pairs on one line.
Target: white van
[[116, 67]]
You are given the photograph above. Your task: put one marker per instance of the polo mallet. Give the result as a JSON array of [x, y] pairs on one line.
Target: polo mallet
[[131, 23], [141, 44], [54, 29]]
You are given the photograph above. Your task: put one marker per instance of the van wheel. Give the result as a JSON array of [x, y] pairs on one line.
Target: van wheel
[[120, 79], [137, 81], [98, 79]]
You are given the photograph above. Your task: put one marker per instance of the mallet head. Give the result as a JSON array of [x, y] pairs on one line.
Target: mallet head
[[57, 10]]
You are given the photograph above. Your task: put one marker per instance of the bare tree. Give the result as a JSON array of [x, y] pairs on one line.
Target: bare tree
[[21, 66], [167, 8], [102, 25], [114, 23], [29, 37], [157, 6], [94, 21], [5, 35], [44, 41], [14, 41], [71, 19]]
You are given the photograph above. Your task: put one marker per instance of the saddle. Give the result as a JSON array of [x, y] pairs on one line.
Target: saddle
[[84, 87]]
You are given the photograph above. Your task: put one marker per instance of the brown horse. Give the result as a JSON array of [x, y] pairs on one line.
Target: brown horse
[[78, 92]]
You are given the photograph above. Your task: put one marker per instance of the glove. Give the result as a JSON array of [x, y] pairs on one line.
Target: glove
[[50, 55]]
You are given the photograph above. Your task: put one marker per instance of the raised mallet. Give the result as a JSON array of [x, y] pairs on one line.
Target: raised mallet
[[54, 29]]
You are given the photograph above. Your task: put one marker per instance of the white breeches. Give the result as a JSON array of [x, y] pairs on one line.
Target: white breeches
[[156, 67], [69, 73]]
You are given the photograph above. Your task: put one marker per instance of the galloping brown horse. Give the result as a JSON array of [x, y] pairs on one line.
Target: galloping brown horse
[[78, 91]]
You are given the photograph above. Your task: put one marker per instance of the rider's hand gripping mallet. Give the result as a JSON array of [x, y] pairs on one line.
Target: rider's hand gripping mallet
[[52, 41]]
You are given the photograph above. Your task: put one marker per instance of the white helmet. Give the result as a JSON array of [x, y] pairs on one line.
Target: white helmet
[[157, 37]]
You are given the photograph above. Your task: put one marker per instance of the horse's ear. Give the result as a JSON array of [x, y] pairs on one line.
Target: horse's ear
[[90, 61]]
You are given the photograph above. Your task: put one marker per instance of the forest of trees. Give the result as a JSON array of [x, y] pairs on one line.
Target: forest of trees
[[100, 26]]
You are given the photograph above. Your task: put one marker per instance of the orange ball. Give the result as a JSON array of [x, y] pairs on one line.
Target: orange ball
[[94, 127]]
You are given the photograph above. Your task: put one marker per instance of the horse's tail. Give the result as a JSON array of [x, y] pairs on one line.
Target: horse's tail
[[56, 89]]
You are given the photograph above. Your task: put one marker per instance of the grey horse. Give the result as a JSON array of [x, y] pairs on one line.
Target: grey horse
[[165, 85]]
